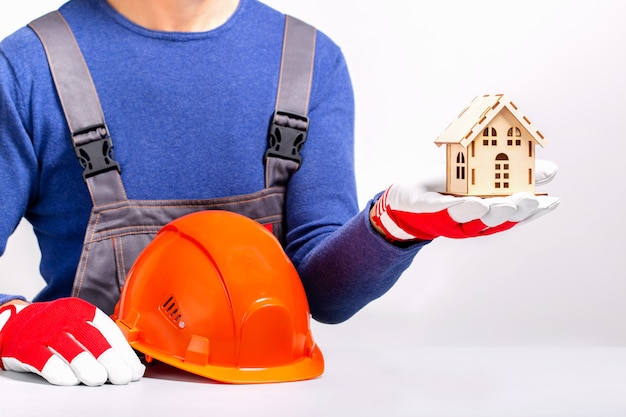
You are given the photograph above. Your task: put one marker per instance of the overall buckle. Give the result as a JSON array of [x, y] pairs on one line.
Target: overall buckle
[[96, 153], [287, 135]]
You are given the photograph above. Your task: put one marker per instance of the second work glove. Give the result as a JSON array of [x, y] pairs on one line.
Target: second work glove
[[67, 341], [407, 212]]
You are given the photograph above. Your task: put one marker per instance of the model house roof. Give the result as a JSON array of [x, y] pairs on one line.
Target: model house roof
[[477, 116]]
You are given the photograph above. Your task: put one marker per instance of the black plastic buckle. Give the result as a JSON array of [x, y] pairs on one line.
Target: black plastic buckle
[[287, 135], [96, 156]]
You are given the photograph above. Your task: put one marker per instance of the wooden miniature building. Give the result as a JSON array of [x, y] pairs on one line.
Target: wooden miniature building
[[490, 149]]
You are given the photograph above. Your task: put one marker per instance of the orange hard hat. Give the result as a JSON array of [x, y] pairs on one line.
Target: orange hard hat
[[214, 294]]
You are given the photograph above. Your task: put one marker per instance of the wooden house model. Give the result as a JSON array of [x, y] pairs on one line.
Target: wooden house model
[[490, 149]]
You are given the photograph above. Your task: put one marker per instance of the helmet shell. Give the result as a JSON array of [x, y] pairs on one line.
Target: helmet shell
[[214, 294]]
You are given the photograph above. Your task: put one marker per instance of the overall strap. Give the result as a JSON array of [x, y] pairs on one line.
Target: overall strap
[[290, 124], [81, 106]]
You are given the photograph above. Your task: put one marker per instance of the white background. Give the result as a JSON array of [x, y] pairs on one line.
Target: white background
[[559, 281]]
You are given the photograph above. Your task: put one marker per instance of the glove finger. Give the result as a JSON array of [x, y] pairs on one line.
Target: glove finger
[[124, 352], [526, 203], [530, 207], [56, 371], [88, 370], [501, 209], [77, 355], [468, 209], [118, 371], [545, 171], [546, 205]]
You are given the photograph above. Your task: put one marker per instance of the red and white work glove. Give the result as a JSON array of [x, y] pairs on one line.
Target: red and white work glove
[[67, 342], [407, 212]]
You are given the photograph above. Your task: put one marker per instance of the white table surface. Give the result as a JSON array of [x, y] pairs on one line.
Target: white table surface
[[362, 381]]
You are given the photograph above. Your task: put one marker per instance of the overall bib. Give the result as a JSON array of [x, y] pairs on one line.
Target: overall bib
[[120, 228]]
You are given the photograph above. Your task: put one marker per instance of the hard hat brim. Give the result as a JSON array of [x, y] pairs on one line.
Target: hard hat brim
[[304, 368]]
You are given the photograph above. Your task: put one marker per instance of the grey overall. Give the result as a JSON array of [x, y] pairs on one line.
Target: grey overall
[[119, 228]]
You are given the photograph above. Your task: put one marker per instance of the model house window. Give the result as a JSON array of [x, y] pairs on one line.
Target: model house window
[[530, 148], [460, 166], [501, 172], [514, 131], [518, 132], [490, 131]]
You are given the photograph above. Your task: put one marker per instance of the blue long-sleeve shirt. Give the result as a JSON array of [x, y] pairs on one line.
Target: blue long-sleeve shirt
[[189, 114]]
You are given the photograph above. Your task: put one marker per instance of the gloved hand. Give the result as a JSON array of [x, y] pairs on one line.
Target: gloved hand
[[66, 341], [407, 212]]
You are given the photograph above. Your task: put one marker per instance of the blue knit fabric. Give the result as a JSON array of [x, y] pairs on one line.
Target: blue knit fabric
[[188, 115]]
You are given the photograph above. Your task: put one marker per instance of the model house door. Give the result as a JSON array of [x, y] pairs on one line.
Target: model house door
[[502, 172]]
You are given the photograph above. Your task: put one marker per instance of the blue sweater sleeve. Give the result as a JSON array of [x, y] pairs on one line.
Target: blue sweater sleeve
[[353, 267], [17, 156], [18, 161]]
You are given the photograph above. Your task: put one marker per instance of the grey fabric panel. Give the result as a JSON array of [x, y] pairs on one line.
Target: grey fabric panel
[[139, 216], [103, 268]]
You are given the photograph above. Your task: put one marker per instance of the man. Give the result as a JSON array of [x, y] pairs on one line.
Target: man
[[187, 88]]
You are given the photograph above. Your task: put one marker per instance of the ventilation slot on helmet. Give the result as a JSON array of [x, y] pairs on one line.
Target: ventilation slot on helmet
[[172, 312]]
